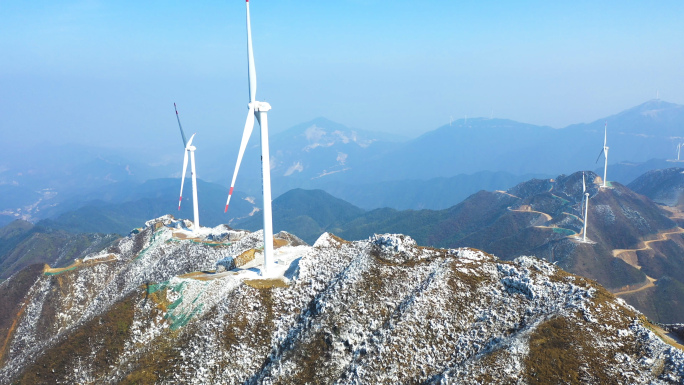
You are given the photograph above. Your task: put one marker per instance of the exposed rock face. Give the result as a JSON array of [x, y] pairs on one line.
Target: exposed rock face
[[378, 311]]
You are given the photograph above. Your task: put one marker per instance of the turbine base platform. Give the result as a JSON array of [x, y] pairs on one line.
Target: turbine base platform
[[579, 240]]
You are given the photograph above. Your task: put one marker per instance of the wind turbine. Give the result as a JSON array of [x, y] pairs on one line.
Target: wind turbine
[[604, 151], [189, 148], [258, 110], [679, 148]]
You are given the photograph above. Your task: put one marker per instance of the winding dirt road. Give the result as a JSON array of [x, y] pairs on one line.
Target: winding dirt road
[[630, 256], [503, 192], [627, 255], [528, 209]]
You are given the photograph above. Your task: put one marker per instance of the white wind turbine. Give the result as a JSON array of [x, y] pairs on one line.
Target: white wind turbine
[[679, 148], [258, 110], [604, 151], [189, 148], [586, 208]]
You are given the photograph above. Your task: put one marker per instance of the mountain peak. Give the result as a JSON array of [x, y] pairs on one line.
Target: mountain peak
[[654, 108], [381, 310], [657, 103]]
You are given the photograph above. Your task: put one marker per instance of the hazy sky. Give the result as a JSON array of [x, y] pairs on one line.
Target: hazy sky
[[108, 72]]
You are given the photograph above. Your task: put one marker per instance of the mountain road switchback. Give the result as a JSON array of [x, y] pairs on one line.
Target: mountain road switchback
[[630, 256]]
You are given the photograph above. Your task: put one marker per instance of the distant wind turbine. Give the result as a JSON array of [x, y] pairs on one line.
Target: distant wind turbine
[[189, 148], [586, 208], [679, 148], [604, 152], [258, 110]]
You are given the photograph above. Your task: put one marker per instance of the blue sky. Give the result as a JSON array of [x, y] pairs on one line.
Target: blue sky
[[108, 72]]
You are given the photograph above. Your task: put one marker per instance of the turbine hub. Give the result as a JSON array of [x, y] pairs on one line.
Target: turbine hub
[[260, 106]]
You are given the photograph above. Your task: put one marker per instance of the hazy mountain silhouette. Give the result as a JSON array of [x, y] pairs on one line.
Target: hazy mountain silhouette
[[129, 204], [368, 169]]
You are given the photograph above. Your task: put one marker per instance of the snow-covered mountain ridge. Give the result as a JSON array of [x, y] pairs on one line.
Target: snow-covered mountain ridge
[[151, 309]]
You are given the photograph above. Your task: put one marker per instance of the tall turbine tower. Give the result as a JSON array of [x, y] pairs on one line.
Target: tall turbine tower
[[189, 148], [604, 152], [586, 208], [258, 110], [586, 211], [584, 190]]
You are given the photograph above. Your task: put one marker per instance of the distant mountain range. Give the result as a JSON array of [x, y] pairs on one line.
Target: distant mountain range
[[368, 169], [129, 204], [639, 134]]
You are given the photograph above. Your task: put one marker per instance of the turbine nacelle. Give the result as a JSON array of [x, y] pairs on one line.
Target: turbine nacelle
[[259, 106]]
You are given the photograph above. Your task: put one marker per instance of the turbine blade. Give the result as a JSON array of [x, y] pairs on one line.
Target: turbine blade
[[605, 135], [190, 141], [249, 126], [185, 142], [584, 185], [185, 167], [599, 157], [251, 70]]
